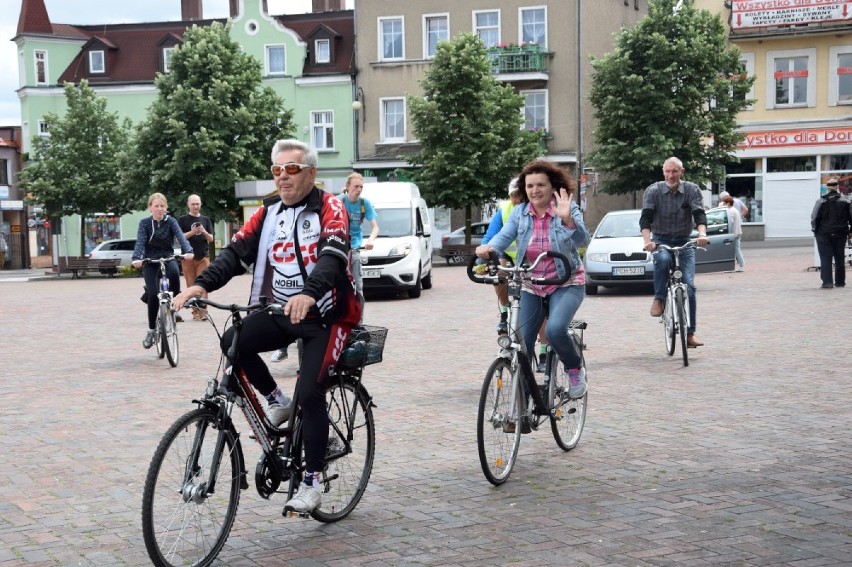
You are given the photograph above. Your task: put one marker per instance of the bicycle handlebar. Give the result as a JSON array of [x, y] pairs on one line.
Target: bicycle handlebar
[[274, 308], [494, 266], [161, 260], [689, 244]]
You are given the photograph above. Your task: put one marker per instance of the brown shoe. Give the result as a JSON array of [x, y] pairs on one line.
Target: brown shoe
[[692, 341], [657, 308]]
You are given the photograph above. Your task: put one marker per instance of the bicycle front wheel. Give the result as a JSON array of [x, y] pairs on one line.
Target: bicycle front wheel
[[346, 473], [159, 336], [186, 514], [567, 415], [668, 321], [168, 332], [498, 431], [680, 302]]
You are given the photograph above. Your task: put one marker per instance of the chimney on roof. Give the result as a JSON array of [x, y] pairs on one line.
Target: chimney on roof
[[327, 5], [191, 10]]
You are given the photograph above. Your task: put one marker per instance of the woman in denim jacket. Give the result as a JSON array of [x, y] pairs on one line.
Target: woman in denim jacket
[[548, 219]]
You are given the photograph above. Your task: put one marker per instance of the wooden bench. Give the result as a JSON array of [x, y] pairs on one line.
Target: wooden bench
[[77, 266], [458, 253]]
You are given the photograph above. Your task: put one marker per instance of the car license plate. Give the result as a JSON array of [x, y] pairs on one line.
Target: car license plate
[[371, 273], [629, 271]]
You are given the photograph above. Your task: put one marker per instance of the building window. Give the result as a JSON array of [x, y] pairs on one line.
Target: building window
[[391, 36], [40, 67], [840, 75], [533, 23], [97, 62], [436, 28], [322, 130], [275, 60], [168, 53], [747, 63], [793, 79], [43, 128], [322, 51], [393, 120], [535, 110], [486, 25], [4, 172]]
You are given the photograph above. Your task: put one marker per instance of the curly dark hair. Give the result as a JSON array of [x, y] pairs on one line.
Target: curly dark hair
[[557, 176]]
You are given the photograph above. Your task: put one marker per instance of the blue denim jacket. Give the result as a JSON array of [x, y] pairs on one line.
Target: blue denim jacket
[[566, 240]]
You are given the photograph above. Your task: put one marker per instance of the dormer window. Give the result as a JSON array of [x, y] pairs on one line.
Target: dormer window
[[322, 51], [322, 41], [97, 62], [167, 58], [167, 46]]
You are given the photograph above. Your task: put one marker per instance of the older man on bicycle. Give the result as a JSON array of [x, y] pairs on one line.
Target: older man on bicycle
[[670, 209], [298, 242]]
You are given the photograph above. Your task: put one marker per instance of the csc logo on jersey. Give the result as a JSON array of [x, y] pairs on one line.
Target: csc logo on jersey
[[339, 343], [285, 252]]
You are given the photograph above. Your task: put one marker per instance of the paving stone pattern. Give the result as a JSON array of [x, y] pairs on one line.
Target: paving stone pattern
[[743, 458]]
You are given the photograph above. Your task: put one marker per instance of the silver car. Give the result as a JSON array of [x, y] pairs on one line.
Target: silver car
[[615, 256]]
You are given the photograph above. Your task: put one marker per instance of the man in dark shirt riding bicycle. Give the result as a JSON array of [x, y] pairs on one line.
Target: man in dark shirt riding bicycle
[[670, 209], [298, 242]]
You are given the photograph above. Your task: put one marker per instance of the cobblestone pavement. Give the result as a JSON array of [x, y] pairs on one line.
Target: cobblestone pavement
[[743, 458]]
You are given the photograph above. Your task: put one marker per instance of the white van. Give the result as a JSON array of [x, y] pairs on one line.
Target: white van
[[401, 258]]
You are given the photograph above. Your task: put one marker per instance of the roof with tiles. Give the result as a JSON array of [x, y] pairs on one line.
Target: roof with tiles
[[136, 49], [338, 26]]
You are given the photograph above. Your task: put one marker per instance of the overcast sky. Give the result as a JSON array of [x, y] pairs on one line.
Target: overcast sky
[[88, 12]]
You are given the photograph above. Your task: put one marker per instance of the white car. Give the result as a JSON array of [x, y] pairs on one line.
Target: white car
[[121, 249], [114, 249], [615, 256]]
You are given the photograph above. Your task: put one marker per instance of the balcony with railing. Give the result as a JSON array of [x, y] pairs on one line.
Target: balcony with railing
[[519, 62]]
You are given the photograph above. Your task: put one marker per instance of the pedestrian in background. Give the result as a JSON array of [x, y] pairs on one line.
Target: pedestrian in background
[[736, 221], [739, 204], [198, 230], [831, 222]]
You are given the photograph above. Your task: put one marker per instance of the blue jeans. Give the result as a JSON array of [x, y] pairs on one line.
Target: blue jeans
[[662, 261], [564, 303]]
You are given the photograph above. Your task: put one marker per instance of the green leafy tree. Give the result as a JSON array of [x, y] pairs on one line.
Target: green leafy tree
[[671, 87], [469, 127], [213, 124], [74, 169]]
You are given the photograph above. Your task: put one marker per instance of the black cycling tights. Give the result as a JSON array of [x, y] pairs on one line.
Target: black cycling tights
[[263, 332]]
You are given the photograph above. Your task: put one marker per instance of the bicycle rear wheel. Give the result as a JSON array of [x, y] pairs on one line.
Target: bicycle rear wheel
[[498, 432], [346, 475], [185, 518], [168, 332], [680, 302], [668, 321], [567, 415]]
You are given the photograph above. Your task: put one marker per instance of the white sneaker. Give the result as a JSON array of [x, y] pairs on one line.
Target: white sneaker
[[278, 414], [278, 355], [306, 500], [739, 269]]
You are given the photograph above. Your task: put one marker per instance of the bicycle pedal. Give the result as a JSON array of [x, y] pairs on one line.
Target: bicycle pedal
[[293, 514]]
